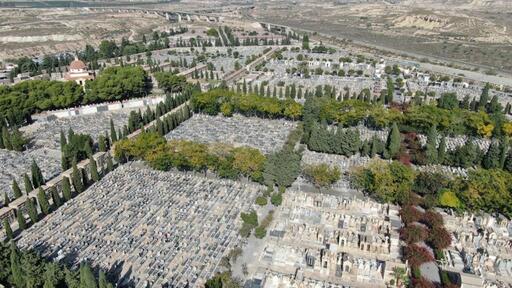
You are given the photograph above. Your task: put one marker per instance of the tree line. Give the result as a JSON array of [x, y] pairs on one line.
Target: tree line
[[228, 102], [28, 269], [19, 101], [487, 190]]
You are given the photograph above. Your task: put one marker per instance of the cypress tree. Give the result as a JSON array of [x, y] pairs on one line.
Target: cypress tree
[[6, 138], [16, 189], [50, 277], [508, 161], [71, 134], [1, 138], [374, 149], [66, 188], [113, 134], [503, 152], [85, 178], [102, 280], [441, 150], [32, 211], [431, 148], [88, 149], [94, 170], [16, 270], [37, 176], [110, 164], [8, 230], [22, 223], [55, 197], [76, 178], [492, 157], [64, 161], [393, 142], [17, 140], [28, 184], [63, 141], [101, 144], [125, 132], [484, 98], [6, 199], [87, 279], [43, 201]]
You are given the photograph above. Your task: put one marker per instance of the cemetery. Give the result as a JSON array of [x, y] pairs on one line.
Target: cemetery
[[158, 228], [172, 220], [481, 248], [264, 134], [336, 241], [44, 145]]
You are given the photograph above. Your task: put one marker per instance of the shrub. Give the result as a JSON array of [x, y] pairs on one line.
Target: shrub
[[262, 201], [410, 214], [422, 282], [440, 238], [432, 219], [260, 232], [449, 199], [322, 175], [413, 233], [250, 218], [417, 255], [276, 199]]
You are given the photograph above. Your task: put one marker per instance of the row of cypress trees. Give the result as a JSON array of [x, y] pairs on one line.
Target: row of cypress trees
[[27, 269]]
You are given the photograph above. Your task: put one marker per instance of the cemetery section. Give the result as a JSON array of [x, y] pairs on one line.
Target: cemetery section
[[264, 134], [319, 238], [44, 145], [156, 227]]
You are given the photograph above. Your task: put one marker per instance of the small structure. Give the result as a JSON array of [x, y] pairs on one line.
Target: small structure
[[78, 72]]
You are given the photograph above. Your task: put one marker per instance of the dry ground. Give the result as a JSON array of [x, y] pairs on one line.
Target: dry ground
[[478, 33], [44, 31]]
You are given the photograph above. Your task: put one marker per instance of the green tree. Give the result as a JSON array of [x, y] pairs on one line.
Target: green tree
[[63, 141], [95, 176], [492, 157], [102, 281], [113, 134], [28, 185], [276, 199], [37, 176], [66, 188], [43, 201], [6, 138], [17, 140], [390, 90], [7, 229], [18, 278], [50, 275], [76, 178], [32, 211], [102, 144], [322, 175], [16, 189], [484, 97], [71, 278], [393, 142], [305, 42], [87, 279], [55, 197], [110, 164], [441, 151], [6, 199], [431, 151], [22, 223]]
